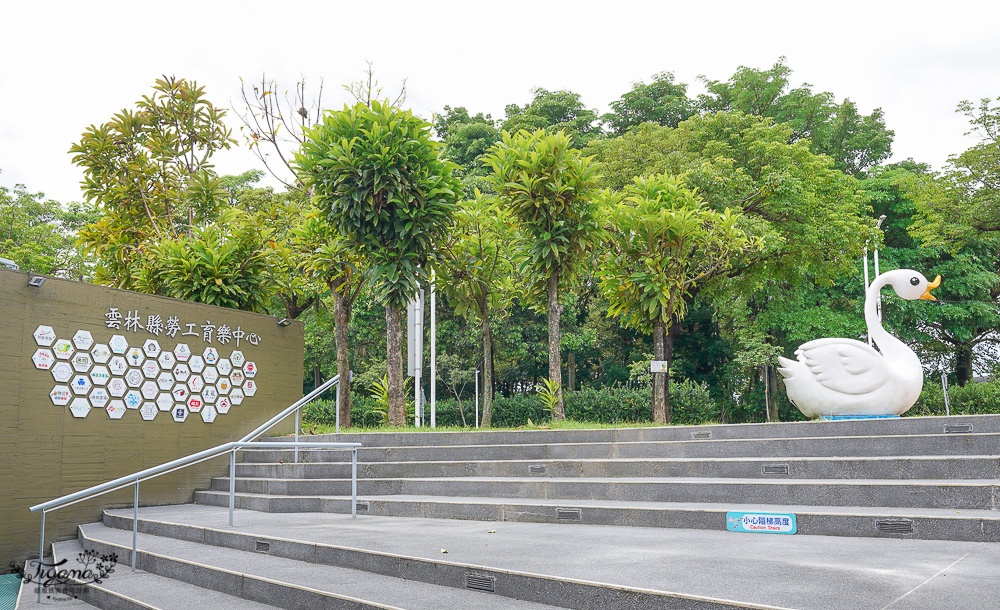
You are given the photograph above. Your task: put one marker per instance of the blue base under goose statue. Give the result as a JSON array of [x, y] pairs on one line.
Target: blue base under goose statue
[[834, 377]]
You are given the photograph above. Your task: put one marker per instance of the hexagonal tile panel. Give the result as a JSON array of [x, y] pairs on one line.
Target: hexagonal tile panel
[[82, 362], [151, 347], [150, 390], [166, 360], [211, 355], [80, 407], [224, 366], [62, 372], [180, 393], [81, 385], [83, 340], [249, 387], [236, 396], [43, 359], [148, 410], [222, 405], [181, 372], [237, 358], [101, 353], [44, 335], [99, 398], [63, 349], [211, 375], [134, 378], [250, 369], [100, 375], [117, 387], [135, 356], [150, 369], [196, 363], [117, 365], [165, 380], [224, 386], [236, 378], [208, 414], [194, 403], [133, 399], [115, 409], [179, 413], [209, 394], [61, 395], [196, 384], [118, 344], [164, 402], [182, 352]]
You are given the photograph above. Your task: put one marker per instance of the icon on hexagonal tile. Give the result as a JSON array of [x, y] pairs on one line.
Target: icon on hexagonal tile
[[80, 407], [148, 410], [236, 396], [211, 355], [224, 366], [117, 387], [182, 352], [150, 390], [208, 414], [115, 409], [209, 394], [250, 370], [44, 335], [196, 364], [166, 360], [249, 387], [81, 385], [223, 405], [134, 356], [83, 339], [211, 375], [117, 365], [100, 375], [118, 344], [150, 369], [43, 359], [99, 398], [63, 349], [133, 378], [101, 353], [181, 372], [179, 413], [151, 347], [224, 386], [236, 378], [82, 362], [60, 395], [237, 358], [194, 403], [196, 383], [164, 401], [165, 380], [180, 393], [133, 399], [62, 372]]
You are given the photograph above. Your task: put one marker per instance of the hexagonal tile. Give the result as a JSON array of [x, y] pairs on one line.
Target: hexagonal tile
[[166, 360], [222, 405], [237, 358], [115, 409], [61, 395], [43, 359], [117, 365], [100, 375], [224, 366], [194, 403], [62, 372], [151, 348], [179, 413], [101, 353], [208, 414], [134, 378], [211, 375], [83, 340], [224, 386], [165, 380], [236, 396], [211, 355], [150, 390], [118, 344], [148, 410], [81, 385], [99, 398], [44, 335], [249, 387], [250, 369], [180, 393], [182, 352], [236, 377], [63, 349], [135, 356], [209, 394], [80, 407], [150, 369], [133, 399], [181, 372], [196, 363], [164, 402], [196, 383], [117, 387], [82, 362]]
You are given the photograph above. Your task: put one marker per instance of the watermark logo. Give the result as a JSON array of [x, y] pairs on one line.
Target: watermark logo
[[62, 581]]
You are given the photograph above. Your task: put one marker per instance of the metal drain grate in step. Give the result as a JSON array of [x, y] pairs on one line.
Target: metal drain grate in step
[[774, 469], [362, 506], [263, 547], [894, 526], [537, 469], [958, 428], [569, 514], [480, 582], [701, 436]]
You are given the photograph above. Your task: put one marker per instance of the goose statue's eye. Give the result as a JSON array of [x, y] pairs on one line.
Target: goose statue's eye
[[914, 280]]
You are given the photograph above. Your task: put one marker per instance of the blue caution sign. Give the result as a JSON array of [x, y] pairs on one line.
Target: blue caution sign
[[761, 523]]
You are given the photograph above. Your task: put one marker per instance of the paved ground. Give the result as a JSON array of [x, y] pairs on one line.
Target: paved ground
[[804, 572]]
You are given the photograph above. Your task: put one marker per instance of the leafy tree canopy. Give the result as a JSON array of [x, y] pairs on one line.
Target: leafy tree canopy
[[662, 101], [554, 111]]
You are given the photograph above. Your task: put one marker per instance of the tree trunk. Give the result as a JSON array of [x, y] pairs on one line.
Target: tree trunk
[[555, 361], [487, 420], [771, 395], [571, 371], [342, 321], [668, 353], [660, 379], [963, 365], [394, 365]]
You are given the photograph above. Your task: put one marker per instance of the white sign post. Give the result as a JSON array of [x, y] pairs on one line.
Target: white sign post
[[658, 366], [415, 349]]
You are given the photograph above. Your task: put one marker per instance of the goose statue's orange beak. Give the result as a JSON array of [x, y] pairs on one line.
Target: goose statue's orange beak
[[931, 286]]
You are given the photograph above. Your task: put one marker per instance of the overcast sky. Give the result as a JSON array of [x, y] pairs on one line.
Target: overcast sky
[[68, 65]]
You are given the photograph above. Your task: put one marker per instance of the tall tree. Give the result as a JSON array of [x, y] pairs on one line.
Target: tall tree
[[554, 111], [378, 177], [662, 101], [547, 186]]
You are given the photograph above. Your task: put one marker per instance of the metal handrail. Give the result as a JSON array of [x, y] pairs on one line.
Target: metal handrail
[[195, 458]]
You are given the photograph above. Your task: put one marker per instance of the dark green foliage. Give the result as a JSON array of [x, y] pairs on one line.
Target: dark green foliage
[[972, 399], [554, 111], [662, 101]]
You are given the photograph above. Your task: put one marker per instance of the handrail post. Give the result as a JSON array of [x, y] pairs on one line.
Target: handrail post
[[41, 550], [232, 484], [297, 434], [338, 408], [354, 483], [135, 523]]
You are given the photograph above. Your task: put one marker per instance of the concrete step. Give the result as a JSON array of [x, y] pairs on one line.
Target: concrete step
[[901, 426], [887, 467], [853, 446], [973, 494], [864, 521]]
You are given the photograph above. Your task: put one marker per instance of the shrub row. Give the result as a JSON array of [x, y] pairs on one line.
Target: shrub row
[[972, 399]]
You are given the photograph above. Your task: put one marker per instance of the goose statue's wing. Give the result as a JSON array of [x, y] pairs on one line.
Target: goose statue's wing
[[845, 365]]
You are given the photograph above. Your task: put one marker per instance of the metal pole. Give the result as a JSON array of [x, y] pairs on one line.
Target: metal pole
[[297, 433], [477, 398], [135, 523], [878, 300], [232, 485], [433, 353], [354, 483], [338, 407], [944, 388], [41, 550]]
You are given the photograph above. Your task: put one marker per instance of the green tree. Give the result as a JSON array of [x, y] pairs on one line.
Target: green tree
[[377, 176], [662, 101], [547, 186], [554, 111]]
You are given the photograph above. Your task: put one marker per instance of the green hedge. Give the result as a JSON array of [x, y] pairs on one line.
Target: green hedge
[[973, 399]]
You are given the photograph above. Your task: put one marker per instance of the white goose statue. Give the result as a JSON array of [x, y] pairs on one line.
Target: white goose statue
[[848, 377]]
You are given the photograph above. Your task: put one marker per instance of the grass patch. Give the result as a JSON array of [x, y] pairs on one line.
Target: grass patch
[[567, 424]]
